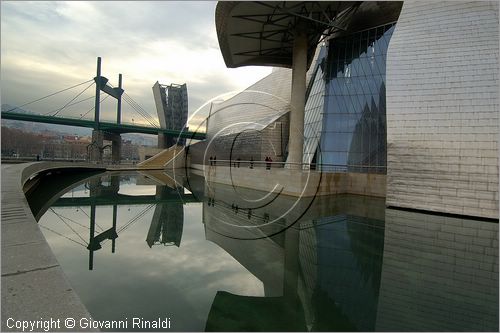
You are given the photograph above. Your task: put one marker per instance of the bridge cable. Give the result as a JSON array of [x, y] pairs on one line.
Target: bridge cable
[[80, 101], [141, 111], [147, 115], [152, 123], [77, 223], [140, 107], [61, 218], [39, 99], [136, 218], [57, 233], [55, 114], [84, 212], [92, 108], [151, 120], [132, 220]]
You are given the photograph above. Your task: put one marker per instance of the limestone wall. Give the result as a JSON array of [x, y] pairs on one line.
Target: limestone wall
[[296, 182], [442, 108]]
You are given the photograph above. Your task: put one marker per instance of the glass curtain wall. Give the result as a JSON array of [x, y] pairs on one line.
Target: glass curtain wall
[[353, 135], [313, 111]]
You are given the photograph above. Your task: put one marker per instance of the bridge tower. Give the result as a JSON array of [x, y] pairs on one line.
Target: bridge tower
[[97, 147]]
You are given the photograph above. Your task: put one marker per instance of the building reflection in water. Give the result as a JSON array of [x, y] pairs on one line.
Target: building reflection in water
[[330, 263], [168, 219], [439, 274], [349, 264]]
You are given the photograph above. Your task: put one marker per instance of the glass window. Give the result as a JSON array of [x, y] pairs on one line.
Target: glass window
[[354, 130]]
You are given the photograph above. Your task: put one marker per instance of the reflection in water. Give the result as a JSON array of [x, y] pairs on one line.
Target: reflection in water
[[349, 264], [320, 274], [98, 189], [439, 273], [166, 224], [330, 263], [168, 219]]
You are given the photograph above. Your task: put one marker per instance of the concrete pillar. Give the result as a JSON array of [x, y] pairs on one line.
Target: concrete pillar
[[298, 100], [116, 150], [95, 149], [91, 238], [162, 141], [97, 94], [292, 265], [113, 241], [116, 146], [119, 102]]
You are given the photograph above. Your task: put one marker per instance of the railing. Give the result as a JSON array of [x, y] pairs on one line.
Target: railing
[[251, 164], [22, 159]]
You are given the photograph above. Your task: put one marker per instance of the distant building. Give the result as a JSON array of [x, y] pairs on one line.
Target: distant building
[[172, 107]]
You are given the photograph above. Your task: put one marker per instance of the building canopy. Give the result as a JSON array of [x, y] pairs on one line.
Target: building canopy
[[262, 32]]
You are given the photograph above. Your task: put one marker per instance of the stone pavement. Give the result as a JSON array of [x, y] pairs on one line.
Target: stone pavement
[[34, 286]]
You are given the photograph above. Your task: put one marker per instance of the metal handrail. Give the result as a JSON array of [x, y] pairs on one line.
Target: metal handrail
[[314, 166]]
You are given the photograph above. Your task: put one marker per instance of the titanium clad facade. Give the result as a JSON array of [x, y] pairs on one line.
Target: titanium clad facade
[[254, 123], [442, 108], [344, 118], [416, 99], [254, 108]]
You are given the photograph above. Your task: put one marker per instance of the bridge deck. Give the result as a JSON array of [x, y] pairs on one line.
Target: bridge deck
[[106, 126]]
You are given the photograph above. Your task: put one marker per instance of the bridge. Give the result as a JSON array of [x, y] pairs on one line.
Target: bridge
[[102, 131], [105, 126], [104, 190], [123, 199]]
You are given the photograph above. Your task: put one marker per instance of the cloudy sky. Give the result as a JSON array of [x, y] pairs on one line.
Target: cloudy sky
[[48, 46]]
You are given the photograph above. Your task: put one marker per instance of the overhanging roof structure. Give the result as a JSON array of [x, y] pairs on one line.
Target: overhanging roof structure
[[262, 32]]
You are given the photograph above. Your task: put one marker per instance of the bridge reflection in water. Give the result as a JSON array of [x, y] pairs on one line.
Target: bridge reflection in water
[[166, 225], [330, 263]]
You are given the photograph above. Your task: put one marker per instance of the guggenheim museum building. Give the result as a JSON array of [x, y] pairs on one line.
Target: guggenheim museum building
[[406, 90]]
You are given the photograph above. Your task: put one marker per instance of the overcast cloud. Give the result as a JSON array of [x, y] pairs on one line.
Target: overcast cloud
[[48, 46]]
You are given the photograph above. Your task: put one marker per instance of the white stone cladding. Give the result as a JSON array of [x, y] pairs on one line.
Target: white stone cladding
[[442, 108]]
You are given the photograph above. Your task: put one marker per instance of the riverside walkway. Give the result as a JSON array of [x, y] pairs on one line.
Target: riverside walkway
[[34, 286]]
